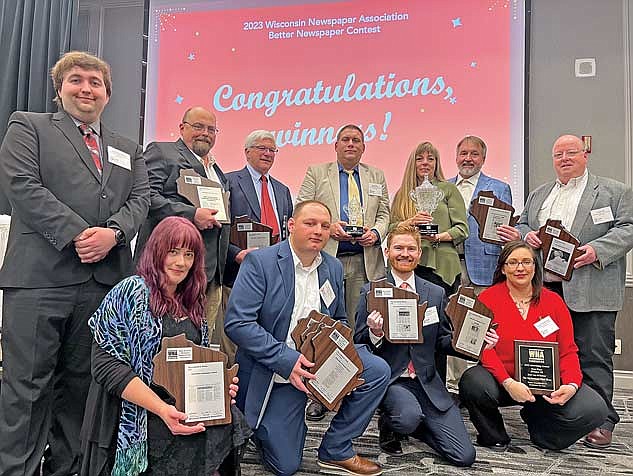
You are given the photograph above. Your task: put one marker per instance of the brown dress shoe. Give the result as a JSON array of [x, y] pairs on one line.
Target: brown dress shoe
[[355, 465], [599, 438]]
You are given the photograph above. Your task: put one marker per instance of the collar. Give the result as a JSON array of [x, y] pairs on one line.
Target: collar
[[341, 169], [95, 126], [410, 281], [472, 180], [210, 156], [297, 262], [255, 175], [575, 181]]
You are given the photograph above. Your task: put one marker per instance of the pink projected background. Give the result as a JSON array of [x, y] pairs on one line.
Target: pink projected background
[[406, 71]]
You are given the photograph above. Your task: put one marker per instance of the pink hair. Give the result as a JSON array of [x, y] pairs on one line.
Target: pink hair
[[170, 233]]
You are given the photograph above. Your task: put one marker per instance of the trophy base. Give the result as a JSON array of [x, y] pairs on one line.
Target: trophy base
[[355, 231], [428, 229]]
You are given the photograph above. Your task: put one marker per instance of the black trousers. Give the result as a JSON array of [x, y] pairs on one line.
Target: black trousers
[[594, 333], [46, 374], [550, 426]]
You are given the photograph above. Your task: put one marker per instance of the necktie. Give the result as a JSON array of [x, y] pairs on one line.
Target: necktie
[[91, 143], [410, 366], [268, 214], [352, 187]]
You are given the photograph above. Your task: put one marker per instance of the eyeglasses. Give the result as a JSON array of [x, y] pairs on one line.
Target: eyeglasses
[[263, 148], [514, 264], [568, 153], [201, 127]]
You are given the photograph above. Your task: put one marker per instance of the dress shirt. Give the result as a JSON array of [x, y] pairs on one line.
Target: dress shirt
[[562, 202], [307, 297], [96, 129], [466, 187], [210, 171], [256, 177]]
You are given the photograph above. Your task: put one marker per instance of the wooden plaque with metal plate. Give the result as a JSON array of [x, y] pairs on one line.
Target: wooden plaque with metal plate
[[247, 233], [198, 379], [403, 316], [204, 193], [559, 248], [329, 344], [537, 365], [471, 319], [489, 213]]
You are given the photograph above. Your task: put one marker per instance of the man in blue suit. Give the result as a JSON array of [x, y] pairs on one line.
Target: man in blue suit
[[416, 402], [275, 288], [478, 259], [247, 198]]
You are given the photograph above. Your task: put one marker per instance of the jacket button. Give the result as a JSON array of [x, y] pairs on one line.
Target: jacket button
[[104, 196]]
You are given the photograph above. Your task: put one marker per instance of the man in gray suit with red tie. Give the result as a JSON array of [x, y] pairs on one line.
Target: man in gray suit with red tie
[[78, 194], [165, 160]]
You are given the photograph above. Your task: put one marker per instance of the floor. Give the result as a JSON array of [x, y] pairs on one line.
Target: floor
[[521, 458]]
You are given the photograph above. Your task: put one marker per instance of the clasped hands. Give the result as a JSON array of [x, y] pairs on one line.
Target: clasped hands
[[94, 243], [337, 232], [521, 393]]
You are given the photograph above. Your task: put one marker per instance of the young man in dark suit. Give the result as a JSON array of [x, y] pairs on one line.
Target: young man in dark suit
[[78, 194]]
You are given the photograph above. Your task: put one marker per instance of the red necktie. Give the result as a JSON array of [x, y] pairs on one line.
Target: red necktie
[[410, 367], [268, 214], [91, 143]]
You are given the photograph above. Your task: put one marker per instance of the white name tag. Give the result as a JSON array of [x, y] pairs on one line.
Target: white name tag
[[375, 189], [546, 326], [430, 316], [120, 158], [327, 293], [602, 215]]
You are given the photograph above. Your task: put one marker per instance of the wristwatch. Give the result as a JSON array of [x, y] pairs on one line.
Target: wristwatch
[[119, 236]]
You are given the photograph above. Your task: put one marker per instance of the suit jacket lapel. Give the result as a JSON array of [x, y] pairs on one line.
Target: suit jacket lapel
[[245, 182], [191, 159], [324, 275], [72, 133], [107, 138], [335, 186], [286, 266], [280, 200], [587, 200]]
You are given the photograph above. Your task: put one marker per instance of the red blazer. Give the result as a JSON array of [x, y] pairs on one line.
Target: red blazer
[[500, 360]]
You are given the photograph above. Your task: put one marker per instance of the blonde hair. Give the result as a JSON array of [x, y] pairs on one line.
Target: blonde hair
[[403, 207], [83, 60]]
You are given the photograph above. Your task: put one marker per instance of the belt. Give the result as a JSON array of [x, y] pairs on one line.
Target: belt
[[462, 256], [348, 253]]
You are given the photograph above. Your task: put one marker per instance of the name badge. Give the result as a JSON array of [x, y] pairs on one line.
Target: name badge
[[430, 316], [327, 293], [375, 189], [602, 215], [546, 326], [118, 157]]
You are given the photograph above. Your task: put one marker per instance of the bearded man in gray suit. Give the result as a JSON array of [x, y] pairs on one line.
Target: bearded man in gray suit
[[599, 212], [78, 194]]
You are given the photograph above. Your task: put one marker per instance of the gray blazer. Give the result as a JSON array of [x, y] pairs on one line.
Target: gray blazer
[[164, 161], [56, 192], [599, 286]]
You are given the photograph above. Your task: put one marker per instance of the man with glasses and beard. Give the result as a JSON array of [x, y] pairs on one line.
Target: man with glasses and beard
[[165, 160]]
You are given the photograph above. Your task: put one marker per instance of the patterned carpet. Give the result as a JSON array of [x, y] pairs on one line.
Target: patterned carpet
[[521, 458]]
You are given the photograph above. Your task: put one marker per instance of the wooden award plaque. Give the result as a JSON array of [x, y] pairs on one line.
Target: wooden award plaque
[[537, 365], [180, 357], [380, 294], [489, 213], [559, 248], [247, 233], [471, 319], [337, 366], [203, 193]]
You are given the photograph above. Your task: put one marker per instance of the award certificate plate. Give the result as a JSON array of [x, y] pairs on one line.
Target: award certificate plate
[[204, 193], [559, 248], [489, 213], [537, 365], [247, 233]]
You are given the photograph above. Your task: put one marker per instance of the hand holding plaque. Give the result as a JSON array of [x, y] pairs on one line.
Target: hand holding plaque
[[560, 249], [490, 213], [471, 319], [403, 316], [204, 193], [356, 218], [247, 233], [337, 367], [536, 365], [197, 378], [427, 197]]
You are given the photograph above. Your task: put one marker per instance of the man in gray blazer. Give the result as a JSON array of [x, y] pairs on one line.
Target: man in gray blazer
[[78, 194], [165, 160], [599, 212]]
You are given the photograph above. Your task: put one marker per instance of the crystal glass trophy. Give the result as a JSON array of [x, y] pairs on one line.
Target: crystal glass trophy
[[355, 218], [426, 198]]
